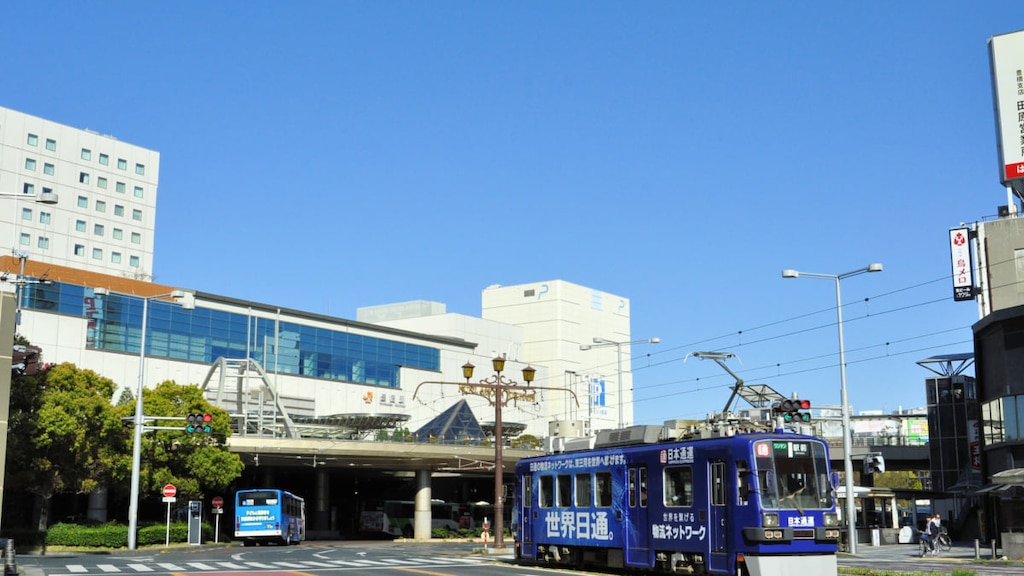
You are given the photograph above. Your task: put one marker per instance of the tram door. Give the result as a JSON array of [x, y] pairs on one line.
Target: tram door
[[718, 510], [637, 535]]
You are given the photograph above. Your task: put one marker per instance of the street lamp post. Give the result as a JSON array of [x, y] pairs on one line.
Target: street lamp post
[[133, 503], [851, 506], [493, 389], [602, 342]]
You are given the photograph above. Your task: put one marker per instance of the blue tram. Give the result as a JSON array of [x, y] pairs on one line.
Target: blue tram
[[754, 504]]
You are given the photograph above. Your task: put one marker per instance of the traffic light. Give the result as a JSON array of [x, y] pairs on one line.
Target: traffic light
[[790, 410], [199, 424], [874, 463]]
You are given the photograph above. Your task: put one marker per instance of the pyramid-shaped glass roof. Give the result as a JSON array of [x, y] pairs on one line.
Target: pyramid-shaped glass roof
[[454, 425]]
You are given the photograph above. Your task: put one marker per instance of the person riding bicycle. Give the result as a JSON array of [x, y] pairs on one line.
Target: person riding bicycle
[[932, 530]]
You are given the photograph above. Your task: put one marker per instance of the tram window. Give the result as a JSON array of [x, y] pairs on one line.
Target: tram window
[[742, 482], [631, 483], [528, 491], [547, 491], [643, 487], [584, 495], [679, 486], [564, 491], [603, 481]]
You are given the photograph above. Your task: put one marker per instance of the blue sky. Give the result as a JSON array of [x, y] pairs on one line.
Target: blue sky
[[331, 155]]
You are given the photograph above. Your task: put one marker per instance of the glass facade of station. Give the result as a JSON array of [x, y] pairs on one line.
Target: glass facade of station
[[203, 335]]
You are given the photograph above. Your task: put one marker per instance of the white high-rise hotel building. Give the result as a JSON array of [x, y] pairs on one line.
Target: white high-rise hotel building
[[106, 190]]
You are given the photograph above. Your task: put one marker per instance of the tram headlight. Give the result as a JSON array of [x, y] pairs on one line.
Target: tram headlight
[[769, 519], [831, 519]]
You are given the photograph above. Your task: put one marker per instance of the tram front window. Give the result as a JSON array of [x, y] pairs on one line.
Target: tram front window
[[792, 474]]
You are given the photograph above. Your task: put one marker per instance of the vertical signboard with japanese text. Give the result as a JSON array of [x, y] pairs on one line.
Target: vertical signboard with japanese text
[[963, 273], [1006, 59]]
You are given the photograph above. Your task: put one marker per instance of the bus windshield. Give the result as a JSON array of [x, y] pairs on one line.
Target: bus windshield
[[792, 474]]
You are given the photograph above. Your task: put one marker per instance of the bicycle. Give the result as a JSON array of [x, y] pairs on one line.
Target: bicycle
[[943, 541], [926, 548]]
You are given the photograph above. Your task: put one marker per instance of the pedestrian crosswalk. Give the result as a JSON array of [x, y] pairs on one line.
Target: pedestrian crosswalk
[[135, 567]]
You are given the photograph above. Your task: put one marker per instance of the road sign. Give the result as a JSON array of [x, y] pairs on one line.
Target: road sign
[[217, 502], [170, 491]]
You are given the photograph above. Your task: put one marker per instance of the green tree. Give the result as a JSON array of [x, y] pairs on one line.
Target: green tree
[[63, 435], [194, 463]]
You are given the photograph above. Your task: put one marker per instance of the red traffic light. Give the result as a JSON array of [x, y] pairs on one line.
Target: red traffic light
[[199, 423], [790, 410]]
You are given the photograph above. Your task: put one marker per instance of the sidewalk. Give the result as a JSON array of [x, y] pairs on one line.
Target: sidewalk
[[961, 552]]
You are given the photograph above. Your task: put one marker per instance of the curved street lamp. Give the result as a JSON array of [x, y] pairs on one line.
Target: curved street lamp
[[851, 505], [133, 503], [603, 342]]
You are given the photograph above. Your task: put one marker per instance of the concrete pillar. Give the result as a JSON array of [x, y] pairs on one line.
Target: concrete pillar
[[7, 313], [321, 518], [422, 515], [97, 509]]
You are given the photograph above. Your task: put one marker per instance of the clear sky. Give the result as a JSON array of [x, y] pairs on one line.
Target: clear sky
[[329, 155]]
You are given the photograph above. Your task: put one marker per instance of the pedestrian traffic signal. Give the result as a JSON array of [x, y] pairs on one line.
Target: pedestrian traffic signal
[[199, 424], [874, 463], [790, 410]]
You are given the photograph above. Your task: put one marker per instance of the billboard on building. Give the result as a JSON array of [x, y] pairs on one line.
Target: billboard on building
[[963, 272], [1006, 61]]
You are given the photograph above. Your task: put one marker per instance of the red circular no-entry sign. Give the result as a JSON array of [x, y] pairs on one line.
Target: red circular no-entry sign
[[170, 491], [217, 502]]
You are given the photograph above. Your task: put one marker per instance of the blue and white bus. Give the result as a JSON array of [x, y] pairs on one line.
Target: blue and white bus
[[269, 516]]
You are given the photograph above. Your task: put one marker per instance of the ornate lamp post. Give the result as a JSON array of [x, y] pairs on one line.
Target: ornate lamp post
[[499, 391]]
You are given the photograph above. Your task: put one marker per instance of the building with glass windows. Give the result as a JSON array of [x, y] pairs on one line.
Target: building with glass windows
[[104, 215]]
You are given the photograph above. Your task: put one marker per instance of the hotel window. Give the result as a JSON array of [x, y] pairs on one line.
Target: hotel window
[[25, 239], [43, 242], [138, 191], [115, 257], [83, 202], [97, 253], [51, 144], [29, 189], [44, 217], [26, 213], [79, 225], [79, 250], [101, 182], [48, 169], [117, 233], [30, 164], [104, 159], [137, 214], [101, 206], [119, 187], [83, 177], [86, 154], [140, 169], [133, 261], [136, 238], [122, 164], [33, 140], [118, 210], [97, 229]]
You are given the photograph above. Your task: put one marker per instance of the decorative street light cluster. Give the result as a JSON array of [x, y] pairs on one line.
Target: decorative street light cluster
[[851, 506], [499, 390]]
